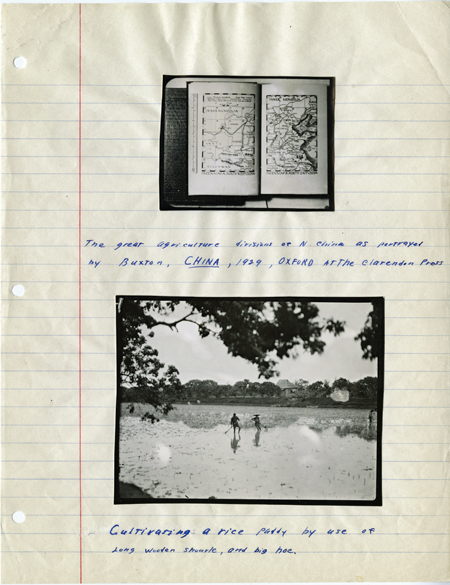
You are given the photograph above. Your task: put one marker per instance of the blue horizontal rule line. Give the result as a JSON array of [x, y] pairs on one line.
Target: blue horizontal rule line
[[361, 121], [388, 103], [45, 533], [86, 139], [392, 156], [442, 85], [73, 282], [51, 407], [102, 552], [390, 138], [110, 174], [397, 426], [54, 443], [291, 515], [32, 461], [106, 300], [343, 192], [84, 461], [67, 371], [127, 210], [112, 479], [83, 84], [109, 388], [255, 534], [56, 552], [116, 192], [76, 335], [60, 425], [152, 210], [387, 85], [155, 156], [159, 103], [97, 156], [54, 497], [112, 390], [257, 515], [77, 139], [352, 174], [99, 103], [76, 121], [92, 353], [304, 228]]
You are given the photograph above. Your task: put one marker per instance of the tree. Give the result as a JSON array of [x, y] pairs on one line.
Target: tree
[[224, 390], [240, 388], [140, 370], [192, 389], [208, 389], [258, 331], [270, 389], [301, 384], [341, 383], [370, 336], [152, 381], [319, 389], [366, 388]]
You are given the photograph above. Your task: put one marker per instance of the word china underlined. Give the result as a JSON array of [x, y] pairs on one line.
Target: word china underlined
[[280, 413]]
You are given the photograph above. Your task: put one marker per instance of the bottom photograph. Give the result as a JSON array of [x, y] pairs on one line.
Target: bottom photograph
[[241, 400]]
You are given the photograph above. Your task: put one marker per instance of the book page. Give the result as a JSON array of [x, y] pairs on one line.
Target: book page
[[294, 139], [223, 135], [133, 336]]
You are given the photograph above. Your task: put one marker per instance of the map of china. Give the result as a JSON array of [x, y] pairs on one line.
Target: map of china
[[291, 135]]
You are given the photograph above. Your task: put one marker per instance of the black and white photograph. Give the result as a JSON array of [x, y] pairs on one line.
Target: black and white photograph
[[269, 400], [247, 143]]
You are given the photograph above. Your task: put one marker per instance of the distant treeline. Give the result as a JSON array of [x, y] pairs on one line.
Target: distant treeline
[[363, 392]]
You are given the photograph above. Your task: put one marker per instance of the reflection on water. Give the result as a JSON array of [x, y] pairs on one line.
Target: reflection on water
[[256, 439], [235, 443], [304, 454], [366, 431]]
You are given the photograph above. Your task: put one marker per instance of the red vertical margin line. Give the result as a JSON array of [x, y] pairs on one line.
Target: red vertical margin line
[[79, 287]]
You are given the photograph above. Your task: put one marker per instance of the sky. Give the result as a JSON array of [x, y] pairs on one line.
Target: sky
[[207, 359]]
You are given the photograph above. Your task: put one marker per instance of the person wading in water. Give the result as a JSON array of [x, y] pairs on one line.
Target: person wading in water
[[257, 422], [234, 422]]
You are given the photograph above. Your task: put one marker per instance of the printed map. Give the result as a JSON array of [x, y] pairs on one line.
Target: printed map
[[228, 134], [291, 135]]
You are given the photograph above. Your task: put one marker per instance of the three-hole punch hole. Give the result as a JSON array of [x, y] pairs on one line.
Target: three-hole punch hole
[[18, 290], [18, 517], [20, 62]]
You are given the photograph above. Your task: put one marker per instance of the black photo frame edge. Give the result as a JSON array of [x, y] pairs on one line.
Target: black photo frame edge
[[378, 304]]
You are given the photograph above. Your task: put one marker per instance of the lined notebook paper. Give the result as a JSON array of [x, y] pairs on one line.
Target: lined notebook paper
[[82, 229]]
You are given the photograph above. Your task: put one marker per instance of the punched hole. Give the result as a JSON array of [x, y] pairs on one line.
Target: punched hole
[[18, 290], [18, 517], [20, 62]]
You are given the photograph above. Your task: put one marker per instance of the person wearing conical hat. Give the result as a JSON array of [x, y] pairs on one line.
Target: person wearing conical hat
[[257, 422]]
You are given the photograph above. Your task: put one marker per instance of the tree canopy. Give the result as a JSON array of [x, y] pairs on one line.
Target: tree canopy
[[370, 336], [260, 331]]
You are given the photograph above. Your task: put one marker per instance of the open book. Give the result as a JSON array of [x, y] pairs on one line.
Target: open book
[[257, 138]]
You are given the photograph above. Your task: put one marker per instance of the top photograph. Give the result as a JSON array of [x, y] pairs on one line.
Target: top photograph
[[247, 143]]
